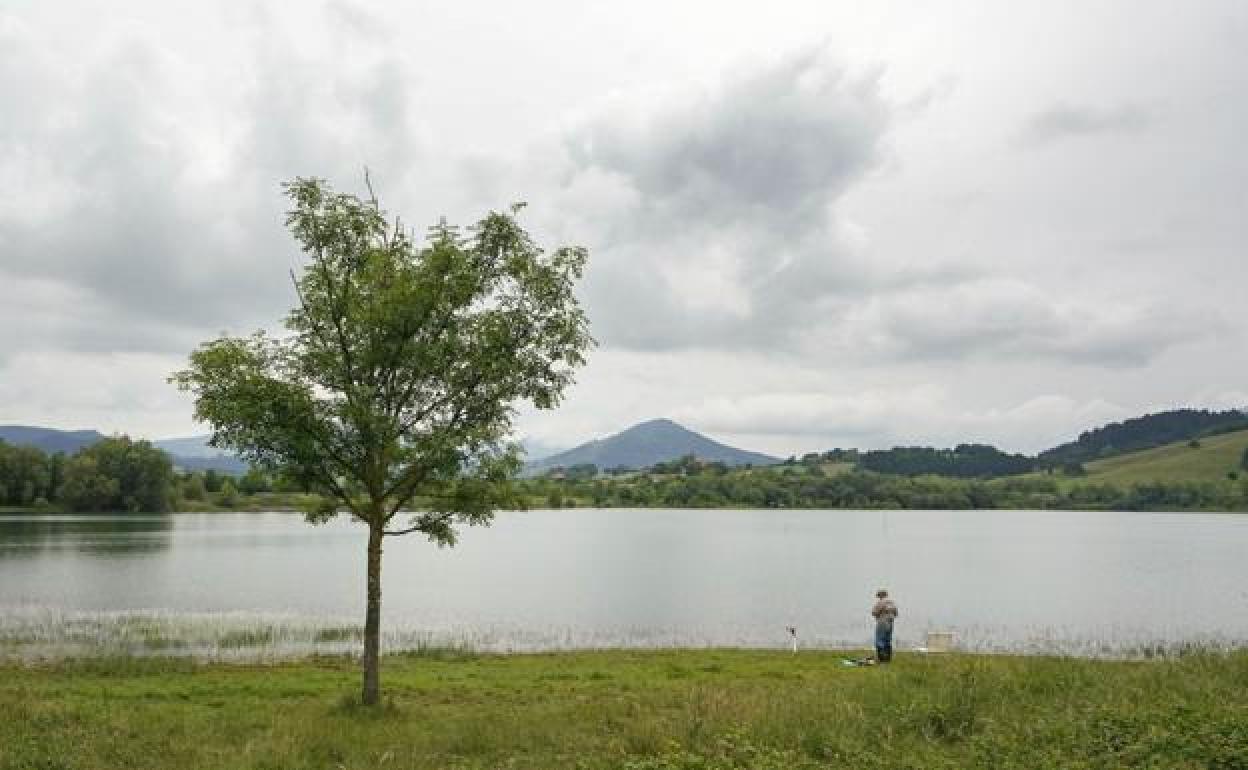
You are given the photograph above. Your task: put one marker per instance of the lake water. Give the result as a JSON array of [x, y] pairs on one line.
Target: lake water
[[255, 585]]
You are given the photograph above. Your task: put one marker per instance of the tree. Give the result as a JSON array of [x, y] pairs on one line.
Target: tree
[[397, 383], [582, 471], [254, 482], [193, 487], [118, 474], [213, 480], [86, 488], [25, 475], [228, 496]]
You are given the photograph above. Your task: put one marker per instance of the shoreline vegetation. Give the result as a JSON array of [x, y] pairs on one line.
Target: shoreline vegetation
[[779, 487], [1206, 474], [692, 484], [47, 634], [922, 495], [638, 710]]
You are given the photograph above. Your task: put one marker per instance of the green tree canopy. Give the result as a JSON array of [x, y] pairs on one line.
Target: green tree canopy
[[26, 475], [255, 480], [396, 384], [118, 474]]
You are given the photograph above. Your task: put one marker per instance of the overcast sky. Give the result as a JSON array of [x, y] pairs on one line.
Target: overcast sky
[[811, 224]]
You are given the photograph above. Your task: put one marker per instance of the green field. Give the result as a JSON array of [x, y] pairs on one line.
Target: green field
[[1211, 461], [691, 709]]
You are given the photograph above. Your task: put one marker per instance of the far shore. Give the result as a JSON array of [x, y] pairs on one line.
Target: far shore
[[58, 511]]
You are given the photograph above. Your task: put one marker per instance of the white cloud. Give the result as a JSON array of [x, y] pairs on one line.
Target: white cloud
[[718, 205], [1008, 318], [925, 414], [836, 223], [150, 191], [123, 392]]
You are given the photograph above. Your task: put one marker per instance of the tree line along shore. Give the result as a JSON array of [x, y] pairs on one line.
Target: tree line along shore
[[835, 481], [1182, 459], [119, 474]]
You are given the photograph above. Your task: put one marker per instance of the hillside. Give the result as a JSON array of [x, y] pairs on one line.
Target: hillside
[[647, 443], [191, 454], [963, 461], [194, 454], [1147, 432], [191, 446], [1211, 461], [49, 440]]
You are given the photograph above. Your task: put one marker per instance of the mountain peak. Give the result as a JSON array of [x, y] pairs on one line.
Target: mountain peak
[[647, 443], [657, 423]]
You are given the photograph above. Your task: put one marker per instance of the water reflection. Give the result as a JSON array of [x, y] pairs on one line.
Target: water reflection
[[28, 535]]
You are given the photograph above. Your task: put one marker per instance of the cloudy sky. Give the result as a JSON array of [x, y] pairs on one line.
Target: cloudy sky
[[811, 224]]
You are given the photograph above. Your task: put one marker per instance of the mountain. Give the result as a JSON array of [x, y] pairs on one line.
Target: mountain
[[536, 450], [647, 443], [1138, 433], [221, 463], [1210, 458], [192, 454], [191, 446], [49, 440]]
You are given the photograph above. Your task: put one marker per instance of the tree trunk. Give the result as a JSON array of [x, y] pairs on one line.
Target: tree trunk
[[372, 620]]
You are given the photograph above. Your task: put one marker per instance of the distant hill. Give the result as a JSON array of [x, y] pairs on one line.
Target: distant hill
[[1138, 433], [535, 450], [191, 446], [1211, 460], [647, 443], [192, 454], [49, 440], [221, 463]]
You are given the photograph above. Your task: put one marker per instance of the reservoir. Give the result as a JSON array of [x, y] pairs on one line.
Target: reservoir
[[266, 585]]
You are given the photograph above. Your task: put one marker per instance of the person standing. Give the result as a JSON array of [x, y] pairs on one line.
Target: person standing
[[884, 612]]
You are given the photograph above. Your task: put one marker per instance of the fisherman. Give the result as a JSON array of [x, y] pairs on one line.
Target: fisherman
[[884, 612]]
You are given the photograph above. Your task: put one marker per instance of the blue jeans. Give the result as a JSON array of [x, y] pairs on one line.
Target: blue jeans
[[883, 642]]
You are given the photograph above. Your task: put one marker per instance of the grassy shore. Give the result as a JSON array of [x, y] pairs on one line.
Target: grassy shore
[[639, 710]]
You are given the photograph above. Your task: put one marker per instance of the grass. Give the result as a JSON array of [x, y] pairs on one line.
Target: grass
[[1212, 460], [48, 635], [657, 710]]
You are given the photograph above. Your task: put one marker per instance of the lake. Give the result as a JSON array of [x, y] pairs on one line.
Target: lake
[[258, 585]]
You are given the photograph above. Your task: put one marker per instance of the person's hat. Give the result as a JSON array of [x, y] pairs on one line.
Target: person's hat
[[881, 593]]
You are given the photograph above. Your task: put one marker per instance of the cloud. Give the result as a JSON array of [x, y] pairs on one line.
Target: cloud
[[716, 215], [1004, 319], [924, 414], [141, 193], [717, 221], [810, 220], [1064, 120], [719, 206], [123, 392]]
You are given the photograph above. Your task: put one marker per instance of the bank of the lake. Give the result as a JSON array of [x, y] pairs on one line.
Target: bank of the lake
[[631, 709]]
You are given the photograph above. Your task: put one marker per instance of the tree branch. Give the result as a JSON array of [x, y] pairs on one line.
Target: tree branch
[[438, 519]]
